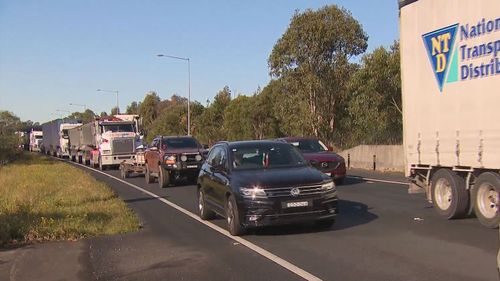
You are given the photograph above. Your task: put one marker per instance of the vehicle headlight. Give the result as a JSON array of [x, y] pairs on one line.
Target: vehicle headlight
[[328, 186], [184, 158], [170, 159], [198, 157], [253, 192]]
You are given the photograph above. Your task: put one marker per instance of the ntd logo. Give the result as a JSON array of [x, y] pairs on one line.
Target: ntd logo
[[439, 45]]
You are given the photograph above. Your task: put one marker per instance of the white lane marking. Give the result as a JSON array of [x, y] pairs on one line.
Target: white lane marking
[[285, 264], [379, 180]]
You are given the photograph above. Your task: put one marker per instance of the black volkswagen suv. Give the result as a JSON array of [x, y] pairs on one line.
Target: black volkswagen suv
[[259, 183]]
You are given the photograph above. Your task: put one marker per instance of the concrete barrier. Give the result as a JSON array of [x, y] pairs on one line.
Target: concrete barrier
[[378, 157]]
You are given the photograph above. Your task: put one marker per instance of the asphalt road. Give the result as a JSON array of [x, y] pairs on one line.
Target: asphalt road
[[382, 233]]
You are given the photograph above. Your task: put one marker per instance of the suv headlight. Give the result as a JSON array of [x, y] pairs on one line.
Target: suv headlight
[[170, 159], [198, 157], [329, 186], [253, 192]]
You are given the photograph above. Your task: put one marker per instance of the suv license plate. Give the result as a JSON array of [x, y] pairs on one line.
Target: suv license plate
[[192, 166], [297, 204]]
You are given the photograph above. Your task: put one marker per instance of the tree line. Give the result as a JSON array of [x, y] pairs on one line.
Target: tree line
[[323, 84]]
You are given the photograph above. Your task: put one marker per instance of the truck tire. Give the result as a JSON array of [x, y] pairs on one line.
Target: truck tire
[[163, 177], [203, 210], [485, 195], [101, 167], [450, 198], [147, 175]]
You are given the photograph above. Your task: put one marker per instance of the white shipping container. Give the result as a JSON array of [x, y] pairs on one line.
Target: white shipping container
[[450, 68]]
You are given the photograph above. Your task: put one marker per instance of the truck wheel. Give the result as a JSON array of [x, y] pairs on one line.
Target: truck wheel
[[450, 198], [147, 175], [101, 167], [203, 211], [485, 195], [233, 217], [163, 177]]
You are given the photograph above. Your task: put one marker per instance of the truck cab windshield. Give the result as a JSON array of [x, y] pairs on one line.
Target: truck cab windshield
[[180, 143], [64, 134], [118, 128]]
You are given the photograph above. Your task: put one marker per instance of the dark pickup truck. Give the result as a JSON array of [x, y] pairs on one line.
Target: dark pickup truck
[[169, 158]]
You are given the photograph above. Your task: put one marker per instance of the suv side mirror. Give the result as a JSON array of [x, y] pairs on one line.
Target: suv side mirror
[[205, 146], [330, 148]]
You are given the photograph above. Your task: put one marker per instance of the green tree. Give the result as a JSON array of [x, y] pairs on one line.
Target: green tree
[[212, 119], [238, 118], [313, 61], [149, 111], [9, 140], [114, 110], [375, 111], [86, 116], [133, 108]]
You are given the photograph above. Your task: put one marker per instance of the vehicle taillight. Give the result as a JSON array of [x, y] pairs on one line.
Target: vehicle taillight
[[104, 140]]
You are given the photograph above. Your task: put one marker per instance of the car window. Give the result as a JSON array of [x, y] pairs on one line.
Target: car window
[[258, 156], [310, 145], [213, 152], [154, 143], [180, 142]]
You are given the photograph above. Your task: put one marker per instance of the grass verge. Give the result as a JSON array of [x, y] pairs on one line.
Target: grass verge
[[43, 199]]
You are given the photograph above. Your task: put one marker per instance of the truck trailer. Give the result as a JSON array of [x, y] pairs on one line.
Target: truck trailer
[[55, 136], [450, 68], [105, 141]]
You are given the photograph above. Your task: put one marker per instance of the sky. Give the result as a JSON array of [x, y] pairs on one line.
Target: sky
[[54, 52]]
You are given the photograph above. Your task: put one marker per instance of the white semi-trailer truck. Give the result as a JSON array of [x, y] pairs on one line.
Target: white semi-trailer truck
[[106, 141], [55, 136], [36, 138], [450, 67]]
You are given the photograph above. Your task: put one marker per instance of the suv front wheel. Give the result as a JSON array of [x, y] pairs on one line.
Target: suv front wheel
[[163, 177], [233, 217], [204, 212]]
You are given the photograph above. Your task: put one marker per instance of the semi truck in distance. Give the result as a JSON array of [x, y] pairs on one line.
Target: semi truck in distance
[[450, 68], [35, 140], [106, 141], [55, 136]]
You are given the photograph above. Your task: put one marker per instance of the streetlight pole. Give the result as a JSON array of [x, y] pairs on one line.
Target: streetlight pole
[[116, 92], [189, 88], [82, 105]]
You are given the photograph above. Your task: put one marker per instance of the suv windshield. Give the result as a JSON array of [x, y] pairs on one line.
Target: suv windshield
[[118, 128], [180, 143], [263, 156], [309, 145]]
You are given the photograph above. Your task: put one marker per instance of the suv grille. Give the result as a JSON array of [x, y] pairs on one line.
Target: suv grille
[[122, 146], [287, 191], [191, 157]]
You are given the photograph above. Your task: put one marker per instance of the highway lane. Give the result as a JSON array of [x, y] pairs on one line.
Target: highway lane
[[382, 233]]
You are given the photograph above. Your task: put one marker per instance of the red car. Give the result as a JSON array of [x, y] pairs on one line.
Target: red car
[[320, 156]]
